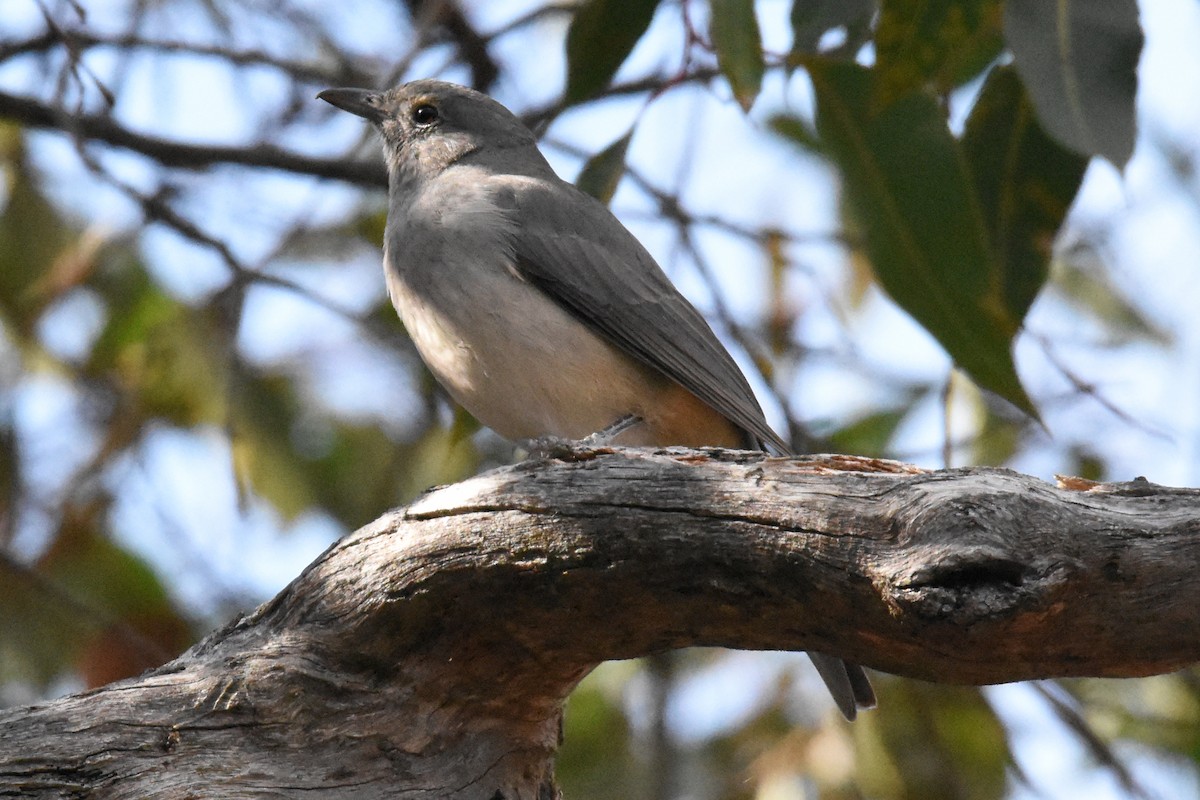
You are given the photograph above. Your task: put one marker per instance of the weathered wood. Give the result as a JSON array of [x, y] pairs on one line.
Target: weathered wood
[[429, 653]]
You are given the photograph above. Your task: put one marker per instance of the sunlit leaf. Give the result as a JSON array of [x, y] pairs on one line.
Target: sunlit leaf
[[602, 172], [923, 226], [601, 37], [1078, 59], [164, 356], [738, 42], [997, 439], [598, 759], [936, 45], [1025, 182], [357, 476]]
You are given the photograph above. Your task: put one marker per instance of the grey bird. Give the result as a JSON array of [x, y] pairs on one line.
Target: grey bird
[[535, 308]]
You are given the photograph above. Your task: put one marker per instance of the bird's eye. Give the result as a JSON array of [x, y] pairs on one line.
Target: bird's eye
[[424, 114]]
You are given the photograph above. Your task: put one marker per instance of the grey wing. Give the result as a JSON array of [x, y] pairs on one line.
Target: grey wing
[[572, 248]]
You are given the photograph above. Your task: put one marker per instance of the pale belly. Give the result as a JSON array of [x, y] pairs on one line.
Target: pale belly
[[526, 368]]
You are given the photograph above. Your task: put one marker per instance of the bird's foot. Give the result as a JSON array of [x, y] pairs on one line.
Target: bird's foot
[[558, 447], [562, 448], [606, 435]]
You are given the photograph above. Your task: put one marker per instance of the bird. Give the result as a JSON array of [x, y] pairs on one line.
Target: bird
[[536, 309]]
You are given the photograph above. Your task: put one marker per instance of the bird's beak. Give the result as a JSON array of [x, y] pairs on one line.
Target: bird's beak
[[362, 102]]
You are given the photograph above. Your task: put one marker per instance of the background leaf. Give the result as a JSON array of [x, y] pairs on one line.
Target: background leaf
[[1078, 59], [812, 19], [603, 171], [935, 45], [738, 44], [1025, 182], [601, 37], [906, 179], [944, 750]]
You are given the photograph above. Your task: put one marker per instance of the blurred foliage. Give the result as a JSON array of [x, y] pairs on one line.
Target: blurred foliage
[[1079, 60], [959, 133]]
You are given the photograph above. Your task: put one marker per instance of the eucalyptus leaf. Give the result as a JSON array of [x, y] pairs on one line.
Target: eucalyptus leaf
[[935, 45], [1026, 183], [738, 42], [1078, 59], [602, 172], [812, 19], [602, 35], [907, 181]]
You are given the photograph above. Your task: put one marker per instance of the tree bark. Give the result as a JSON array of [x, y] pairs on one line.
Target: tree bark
[[429, 654]]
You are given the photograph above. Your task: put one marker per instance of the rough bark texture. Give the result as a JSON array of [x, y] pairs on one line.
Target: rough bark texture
[[429, 654]]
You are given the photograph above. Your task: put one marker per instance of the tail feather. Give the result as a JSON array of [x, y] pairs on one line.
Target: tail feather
[[847, 683]]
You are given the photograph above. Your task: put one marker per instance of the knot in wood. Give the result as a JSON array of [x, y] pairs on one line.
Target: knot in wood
[[967, 560]]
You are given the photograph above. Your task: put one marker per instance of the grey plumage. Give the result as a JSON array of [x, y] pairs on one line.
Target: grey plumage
[[535, 307], [578, 253]]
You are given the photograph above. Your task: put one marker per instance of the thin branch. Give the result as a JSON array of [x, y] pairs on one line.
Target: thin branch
[[189, 156], [346, 72], [1089, 389], [1099, 749]]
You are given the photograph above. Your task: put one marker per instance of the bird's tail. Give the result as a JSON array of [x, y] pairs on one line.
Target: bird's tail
[[847, 683]]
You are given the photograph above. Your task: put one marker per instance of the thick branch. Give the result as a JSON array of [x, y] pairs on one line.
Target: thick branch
[[429, 653]]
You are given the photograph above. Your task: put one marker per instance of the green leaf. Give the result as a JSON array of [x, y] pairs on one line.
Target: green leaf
[[598, 759], [869, 435], [1025, 182], [907, 181], [997, 438], [166, 357], [120, 618], [39, 639], [812, 19], [1085, 285], [944, 743], [442, 455], [601, 37], [601, 174], [32, 233], [936, 45], [738, 43], [1078, 58], [799, 131]]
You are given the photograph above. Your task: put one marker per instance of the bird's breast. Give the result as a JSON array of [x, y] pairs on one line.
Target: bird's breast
[[506, 351], [511, 356]]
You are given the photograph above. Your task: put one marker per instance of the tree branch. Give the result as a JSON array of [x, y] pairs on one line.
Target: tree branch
[[170, 153], [344, 72], [429, 653]]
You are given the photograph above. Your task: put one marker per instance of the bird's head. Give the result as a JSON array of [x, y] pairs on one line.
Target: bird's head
[[428, 125]]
